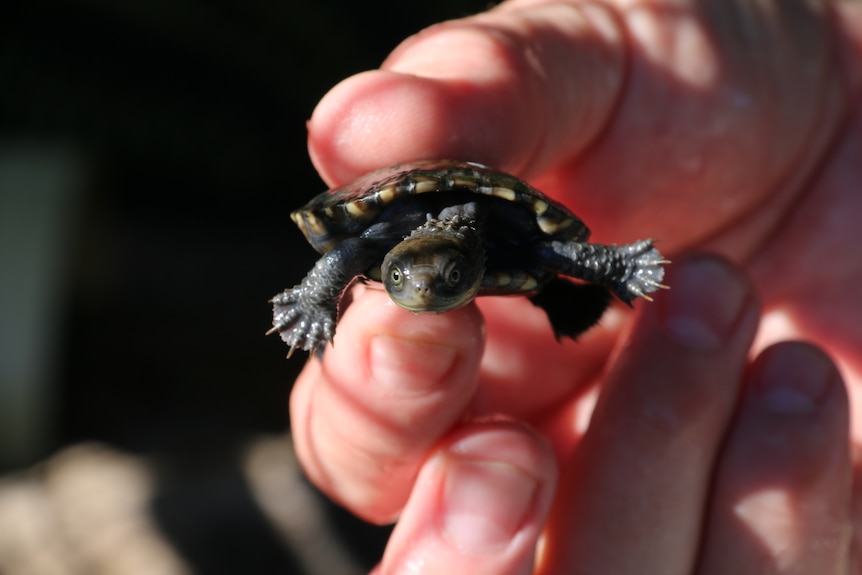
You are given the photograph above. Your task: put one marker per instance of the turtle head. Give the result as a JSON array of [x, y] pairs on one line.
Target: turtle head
[[437, 268]]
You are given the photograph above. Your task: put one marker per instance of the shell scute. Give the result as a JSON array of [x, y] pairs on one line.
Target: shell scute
[[348, 210]]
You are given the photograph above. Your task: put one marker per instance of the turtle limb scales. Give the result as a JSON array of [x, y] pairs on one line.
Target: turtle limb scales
[[305, 315], [630, 271]]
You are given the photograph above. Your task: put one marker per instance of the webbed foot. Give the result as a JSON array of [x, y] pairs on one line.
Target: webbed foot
[[644, 271], [301, 324], [629, 271]]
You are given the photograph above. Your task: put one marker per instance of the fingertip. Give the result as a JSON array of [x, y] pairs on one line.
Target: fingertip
[[517, 89], [795, 377], [794, 416], [391, 384], [381, 117], [479, 503], [785, 476], [403, 352], [360, 124], [710, 303]]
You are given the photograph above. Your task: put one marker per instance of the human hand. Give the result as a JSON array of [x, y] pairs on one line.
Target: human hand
[[648, 121], [694, 461]]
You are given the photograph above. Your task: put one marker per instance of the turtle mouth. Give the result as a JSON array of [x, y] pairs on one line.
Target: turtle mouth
[[423, 277]]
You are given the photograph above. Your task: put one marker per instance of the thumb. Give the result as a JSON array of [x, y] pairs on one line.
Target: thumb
[[651, 110], [514, 89]]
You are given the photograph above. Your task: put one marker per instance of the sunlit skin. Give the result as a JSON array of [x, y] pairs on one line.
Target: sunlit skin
[[728, 127]]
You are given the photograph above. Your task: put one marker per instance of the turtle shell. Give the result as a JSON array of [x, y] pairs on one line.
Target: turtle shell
[[347, 211]]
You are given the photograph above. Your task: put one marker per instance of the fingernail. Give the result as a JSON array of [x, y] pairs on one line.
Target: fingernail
[[485, 503], [406, 366], [704, 303], [794, 378]]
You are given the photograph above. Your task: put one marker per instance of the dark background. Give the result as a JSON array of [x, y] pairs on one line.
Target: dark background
[[181, 129]]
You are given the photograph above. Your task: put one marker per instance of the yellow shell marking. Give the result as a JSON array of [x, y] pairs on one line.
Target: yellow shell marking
[[355, 209], [422, 186], [502, 279], [540, 207], [465, 181], [386, 195], [529, 283], [512, 281], [505, 193], [313, 225], [554, 226]]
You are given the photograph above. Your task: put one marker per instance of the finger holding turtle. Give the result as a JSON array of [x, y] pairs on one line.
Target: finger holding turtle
[[364, 417]]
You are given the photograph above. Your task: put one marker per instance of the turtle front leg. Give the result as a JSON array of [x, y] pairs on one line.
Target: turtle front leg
[[305, 315], [630, 271]]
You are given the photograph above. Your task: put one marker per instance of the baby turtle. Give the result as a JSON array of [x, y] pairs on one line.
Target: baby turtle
[[439, 233]]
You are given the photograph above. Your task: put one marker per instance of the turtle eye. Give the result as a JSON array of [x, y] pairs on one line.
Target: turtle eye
[[395, 276], [453, 277]]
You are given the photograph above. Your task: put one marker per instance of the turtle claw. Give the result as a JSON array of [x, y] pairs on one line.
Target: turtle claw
[[301, 324], [645, 271]]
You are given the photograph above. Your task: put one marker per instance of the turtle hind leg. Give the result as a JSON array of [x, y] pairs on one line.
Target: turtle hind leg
[[572, 308]]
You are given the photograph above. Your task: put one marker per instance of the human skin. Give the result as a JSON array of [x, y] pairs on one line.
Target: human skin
[[732, 128]]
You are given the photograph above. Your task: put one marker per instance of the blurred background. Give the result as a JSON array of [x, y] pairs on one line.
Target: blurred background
[[150, 154]]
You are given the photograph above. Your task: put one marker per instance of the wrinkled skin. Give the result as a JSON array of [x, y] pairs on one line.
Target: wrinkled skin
[[722, 126]]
